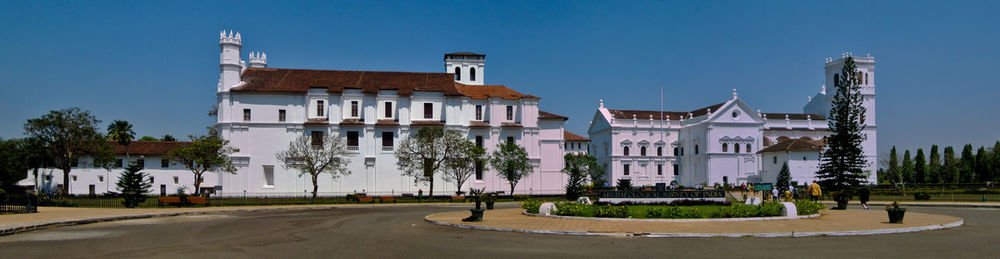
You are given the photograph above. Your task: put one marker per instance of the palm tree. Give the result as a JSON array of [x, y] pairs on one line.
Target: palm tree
[[121, 131]]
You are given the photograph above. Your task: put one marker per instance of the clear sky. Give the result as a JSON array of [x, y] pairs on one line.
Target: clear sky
[[155, 64]]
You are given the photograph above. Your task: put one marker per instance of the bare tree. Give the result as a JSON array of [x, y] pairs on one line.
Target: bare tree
[[316, 156]]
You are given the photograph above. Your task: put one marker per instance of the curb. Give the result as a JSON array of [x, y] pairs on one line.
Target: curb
[[673, 220], [701, 235], [947, 205]]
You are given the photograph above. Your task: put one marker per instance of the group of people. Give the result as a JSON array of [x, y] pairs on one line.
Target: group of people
[[813, 190]]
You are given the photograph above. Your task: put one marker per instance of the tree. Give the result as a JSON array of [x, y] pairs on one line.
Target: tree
[[148, 138], [121, 132], [314, 157], [949, 170], [423, 154], [66, 135], [967, 165], [934, 167], [168, 137], [597, 175], [893, 171], [920, 167], [579, 167], [906, 170], [134, 184], [784, 177], [982, 165], [843, 162], [995, 172], [13, 165], [511, 162], [462, 164], [203, 154]]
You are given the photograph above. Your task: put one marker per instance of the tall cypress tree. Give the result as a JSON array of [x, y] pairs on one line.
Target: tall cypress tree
[[906, 171], [934, 166], [967, 165], [920, 167], [995, 170], [133, 184], [949, 169], [982, 165], [843, 162], [893, 172]]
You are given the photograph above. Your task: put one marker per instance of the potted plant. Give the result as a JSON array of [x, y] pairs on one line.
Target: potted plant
[[489, 199], [841, 197], [477, 213], [895, 212]]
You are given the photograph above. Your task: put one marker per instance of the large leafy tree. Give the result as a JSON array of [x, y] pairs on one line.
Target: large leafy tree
[[934, 166], [462, 164], [315, 157], [424, 153], [949, 170], [133, 184], [511, 162], [784, 177], [920, 167], [203, 154], [579, 167], [843, 162], [906, 170], [121, 132], [66, 135], [13, 165]]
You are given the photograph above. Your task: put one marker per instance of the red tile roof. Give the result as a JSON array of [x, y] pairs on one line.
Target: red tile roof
[[672, 115], [387, 123], [542, 115], [479, 124], [279, 80], [569, 136], [800, 144], [491, 91], [147, 148]]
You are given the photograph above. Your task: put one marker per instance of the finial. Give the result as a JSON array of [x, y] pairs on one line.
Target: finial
[[633, 116], [822, 89], [734, 94], [222, 34], [602, 103], [809, 117], [809, 98], [690, 115], [709, 111], [650, 117], [238, 35], [786, 116], [869, 54]]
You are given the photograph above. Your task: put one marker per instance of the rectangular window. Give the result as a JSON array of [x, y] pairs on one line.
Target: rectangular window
[[354, 109], [317, 138], [281, 115], [320, 106], [246, 114], [141, 162], [510, 139], [100, 178], [164, 163], [479, 141], [510, 112], [119, 163], [626, 172], [388, 110], [479, 112], [74, 178], [479, 170], [387, 139], [352, 139], [177, 180], [428, 110], [659, 169], [676, 170], [269, 175]]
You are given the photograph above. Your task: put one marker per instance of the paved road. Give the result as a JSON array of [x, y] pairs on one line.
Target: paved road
[[401, 232]]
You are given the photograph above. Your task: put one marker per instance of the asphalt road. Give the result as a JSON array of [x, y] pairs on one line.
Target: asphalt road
[[401, 232]]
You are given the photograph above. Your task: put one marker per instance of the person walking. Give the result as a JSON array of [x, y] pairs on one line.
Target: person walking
[[774, 194], [864, 194], [815, 191]]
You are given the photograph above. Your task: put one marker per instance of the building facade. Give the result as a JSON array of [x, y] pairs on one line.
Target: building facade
[[727, 142]]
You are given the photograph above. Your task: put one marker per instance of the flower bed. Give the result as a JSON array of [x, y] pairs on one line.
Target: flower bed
[[767, 209]]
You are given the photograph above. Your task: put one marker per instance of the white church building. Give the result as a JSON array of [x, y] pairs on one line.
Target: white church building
[[728, 142]]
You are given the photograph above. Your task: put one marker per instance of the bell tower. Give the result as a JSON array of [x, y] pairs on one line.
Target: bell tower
[[230, 64], [469, 68]]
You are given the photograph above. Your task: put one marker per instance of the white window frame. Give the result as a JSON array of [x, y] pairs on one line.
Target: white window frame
[[268, 183]]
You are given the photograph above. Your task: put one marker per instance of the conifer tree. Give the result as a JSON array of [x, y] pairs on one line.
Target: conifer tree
[[906, 171], [133, 184], [919, 167], [893, 172], [967, 165], [934, 166], [784, 177], [843, 161], [982, 165], [995, 170], [949, 169]]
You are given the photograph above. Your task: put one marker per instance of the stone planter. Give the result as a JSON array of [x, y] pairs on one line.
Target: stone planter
[[896, 214], [841, 205], [477, 215], [489, 205]]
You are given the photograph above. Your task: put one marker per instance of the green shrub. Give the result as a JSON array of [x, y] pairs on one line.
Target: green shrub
[[767, 209], [531, 206], [608, 211], [572, 209], [673, 212], [807, 207], [921, 196]]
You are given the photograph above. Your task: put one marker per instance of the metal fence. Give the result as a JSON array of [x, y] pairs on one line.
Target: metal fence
[[938, 192], [18, 203], [255, 199]]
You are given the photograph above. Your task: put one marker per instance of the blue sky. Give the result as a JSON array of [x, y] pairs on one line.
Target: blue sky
[[155, 64]]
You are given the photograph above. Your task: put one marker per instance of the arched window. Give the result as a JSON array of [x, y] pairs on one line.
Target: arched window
[[695, 149], [725, 147], [642, 151], [625, 151], [736, 148], [472, 74], [836, 79], [675, 152], [866, 78], [748, 149], [659, 151], [458, 74]]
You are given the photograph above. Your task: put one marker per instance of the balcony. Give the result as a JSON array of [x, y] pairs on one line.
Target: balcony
[[387, 148], [353, 148]]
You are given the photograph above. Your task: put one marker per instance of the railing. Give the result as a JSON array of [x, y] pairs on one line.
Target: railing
[[353, 148], [389, 148], [18, 203], [938, 192]]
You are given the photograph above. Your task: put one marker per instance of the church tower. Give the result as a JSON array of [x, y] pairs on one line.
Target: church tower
[[230, 64], [468, 67]]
